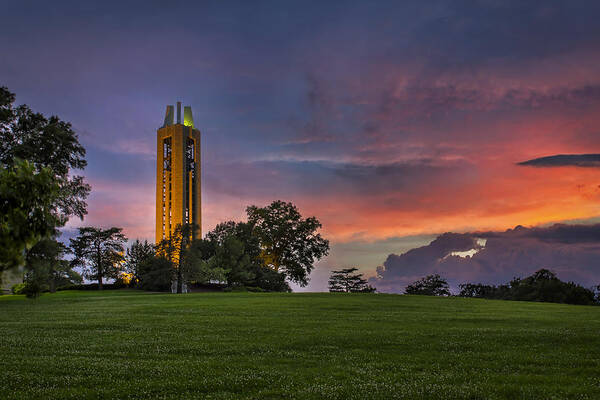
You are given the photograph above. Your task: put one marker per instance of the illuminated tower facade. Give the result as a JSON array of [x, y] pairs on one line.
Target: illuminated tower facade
[[178, 194]]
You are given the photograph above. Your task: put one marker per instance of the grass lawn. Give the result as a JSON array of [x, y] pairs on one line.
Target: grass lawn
[[130, 345]]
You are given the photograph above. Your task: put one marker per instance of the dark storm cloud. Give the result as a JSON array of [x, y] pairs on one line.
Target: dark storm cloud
[[572, 251], [464, 33], [565, 160], [560, 233], [327, 178]]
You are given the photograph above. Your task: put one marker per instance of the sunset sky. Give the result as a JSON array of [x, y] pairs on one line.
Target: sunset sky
[[392, 122]]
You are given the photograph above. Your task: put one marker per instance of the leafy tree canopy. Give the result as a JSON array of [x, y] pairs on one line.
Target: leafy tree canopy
[[289, 243], [27, 214], [431, 285], [47, 143], [137, 253]]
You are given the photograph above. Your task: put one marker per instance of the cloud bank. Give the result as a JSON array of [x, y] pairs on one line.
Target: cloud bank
[[565, 160], [572, 251]]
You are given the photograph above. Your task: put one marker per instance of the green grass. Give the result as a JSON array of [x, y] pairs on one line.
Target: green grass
[[130, 345]]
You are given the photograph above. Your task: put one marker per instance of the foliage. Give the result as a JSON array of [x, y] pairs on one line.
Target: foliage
[[137, 253], [37, 186], [431, 285], [543, 285], [47, 267], [99, 251], [18, 288], [294, 346], [26, 210], [156, 274], [91, 286], [347, 280], [235, 247], [174, 249], [198, 268], [289, 243], [48, 144]]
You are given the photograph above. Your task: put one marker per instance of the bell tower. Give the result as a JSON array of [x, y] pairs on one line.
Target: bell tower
[[178, 174]]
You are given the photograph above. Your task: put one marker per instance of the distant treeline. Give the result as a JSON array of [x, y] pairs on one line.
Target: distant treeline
[[542, 286]]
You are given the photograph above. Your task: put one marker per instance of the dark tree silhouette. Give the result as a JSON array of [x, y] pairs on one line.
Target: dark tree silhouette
[[99, 251], [47, 268], [542, 285], [347, 280], [431, 285]]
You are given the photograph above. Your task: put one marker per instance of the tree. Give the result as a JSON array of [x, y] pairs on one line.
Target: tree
[[156, 274], [174, 249], [431, 285], [232, 256], [99, 251], [347, 280], [137, 253], [235, 247], [199, 264], [27, 214], [542, 285], [47, 143], [289, 243], [47, 268]]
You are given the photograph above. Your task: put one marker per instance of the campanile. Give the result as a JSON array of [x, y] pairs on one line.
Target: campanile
[[178, 174]]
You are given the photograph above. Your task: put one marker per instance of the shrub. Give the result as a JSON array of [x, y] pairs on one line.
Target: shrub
[[92, 286], [18, 288]]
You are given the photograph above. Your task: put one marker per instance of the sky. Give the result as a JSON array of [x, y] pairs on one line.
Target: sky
[[392, 122]]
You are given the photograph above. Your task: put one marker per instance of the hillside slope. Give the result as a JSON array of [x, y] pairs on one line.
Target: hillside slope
[[129, 344]]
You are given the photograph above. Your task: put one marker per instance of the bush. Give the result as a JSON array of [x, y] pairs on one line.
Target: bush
[[33, 289], [18, 288], [93, 286]]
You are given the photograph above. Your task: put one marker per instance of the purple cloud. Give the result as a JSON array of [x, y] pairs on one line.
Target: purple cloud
[[572, 251]]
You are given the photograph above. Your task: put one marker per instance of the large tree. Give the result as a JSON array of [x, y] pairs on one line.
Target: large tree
[[235, 247], [347, 280], [289, 243], [38, 188], [99, 251], [26, 210], [46, 143]]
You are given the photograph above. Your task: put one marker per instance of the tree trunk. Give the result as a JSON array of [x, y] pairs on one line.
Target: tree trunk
[[99, 266], [179, 280]]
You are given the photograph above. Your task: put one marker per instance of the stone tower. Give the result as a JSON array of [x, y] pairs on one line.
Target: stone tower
[[178, 174]]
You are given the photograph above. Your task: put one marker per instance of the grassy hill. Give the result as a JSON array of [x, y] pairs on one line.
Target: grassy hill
[[128, 344]]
